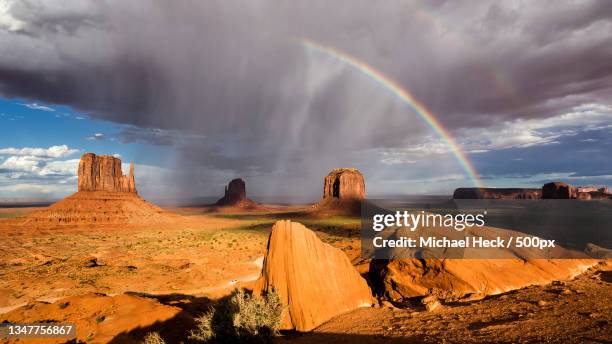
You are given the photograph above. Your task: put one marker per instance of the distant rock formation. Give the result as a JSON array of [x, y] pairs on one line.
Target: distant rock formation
[[554, 190], [315, 280], [585, 196], [103, 173], [593, 193], [235, 195], [344, 184], [105, 196], [559, 190], [598, 251], [597, 195], [495, 193], [99, 207], [343, 190]]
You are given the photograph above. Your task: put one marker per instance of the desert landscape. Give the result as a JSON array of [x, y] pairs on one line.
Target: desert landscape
[[124, 271], [284, 172]]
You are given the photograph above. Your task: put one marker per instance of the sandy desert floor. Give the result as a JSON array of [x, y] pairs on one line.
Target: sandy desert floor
[[188, 256], [103, 278], [576, 311]]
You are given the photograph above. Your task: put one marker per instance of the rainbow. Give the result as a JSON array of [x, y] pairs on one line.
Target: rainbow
[[405, 97]]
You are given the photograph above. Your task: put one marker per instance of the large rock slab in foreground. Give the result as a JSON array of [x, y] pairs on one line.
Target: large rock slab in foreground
[[315, 280], [483, 271], [397, 279]]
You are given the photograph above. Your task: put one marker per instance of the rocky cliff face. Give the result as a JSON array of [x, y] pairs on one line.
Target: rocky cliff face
[[559, 190], [315, 280], [105, 197], [235, 195], [496, 193], [344, 184], [103, 173], [343, 191]]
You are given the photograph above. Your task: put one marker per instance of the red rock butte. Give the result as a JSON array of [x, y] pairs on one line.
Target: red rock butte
[[343, 190], [103, 173], [235, 195], [105, 196]]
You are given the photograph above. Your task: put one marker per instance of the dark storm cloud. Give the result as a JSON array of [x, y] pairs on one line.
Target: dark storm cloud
[[234, 75], [158, 137]]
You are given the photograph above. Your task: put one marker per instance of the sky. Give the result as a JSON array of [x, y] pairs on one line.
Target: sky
[[197, 93]]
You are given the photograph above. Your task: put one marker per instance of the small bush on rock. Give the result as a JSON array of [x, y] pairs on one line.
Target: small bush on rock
[[240, 318]]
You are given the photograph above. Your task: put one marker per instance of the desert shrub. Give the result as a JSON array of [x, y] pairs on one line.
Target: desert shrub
[[257, 314], [240, 318], [204, 327], [153, 338]]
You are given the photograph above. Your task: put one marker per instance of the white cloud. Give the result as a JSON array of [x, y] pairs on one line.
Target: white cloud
[[521, 133], [21, 164], [533, 132], [411, 154], [26, 188], [51, 152], [36, 106], [7, 20], [60, 167], [37, 171], [95, 137], [16, 166], [396, 159]]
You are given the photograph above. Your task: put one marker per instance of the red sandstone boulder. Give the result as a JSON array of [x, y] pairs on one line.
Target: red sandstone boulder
[[315, 280], [499, 270], [398, 279], [103, 173]]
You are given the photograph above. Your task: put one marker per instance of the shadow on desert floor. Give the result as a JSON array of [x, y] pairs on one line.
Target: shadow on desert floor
[[337, 225], [176, 329]]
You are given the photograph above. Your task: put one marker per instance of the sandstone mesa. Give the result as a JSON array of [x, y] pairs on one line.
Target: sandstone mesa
[[104, 196]]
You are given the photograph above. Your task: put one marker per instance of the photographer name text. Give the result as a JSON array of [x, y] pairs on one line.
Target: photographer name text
[[467, 242]]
